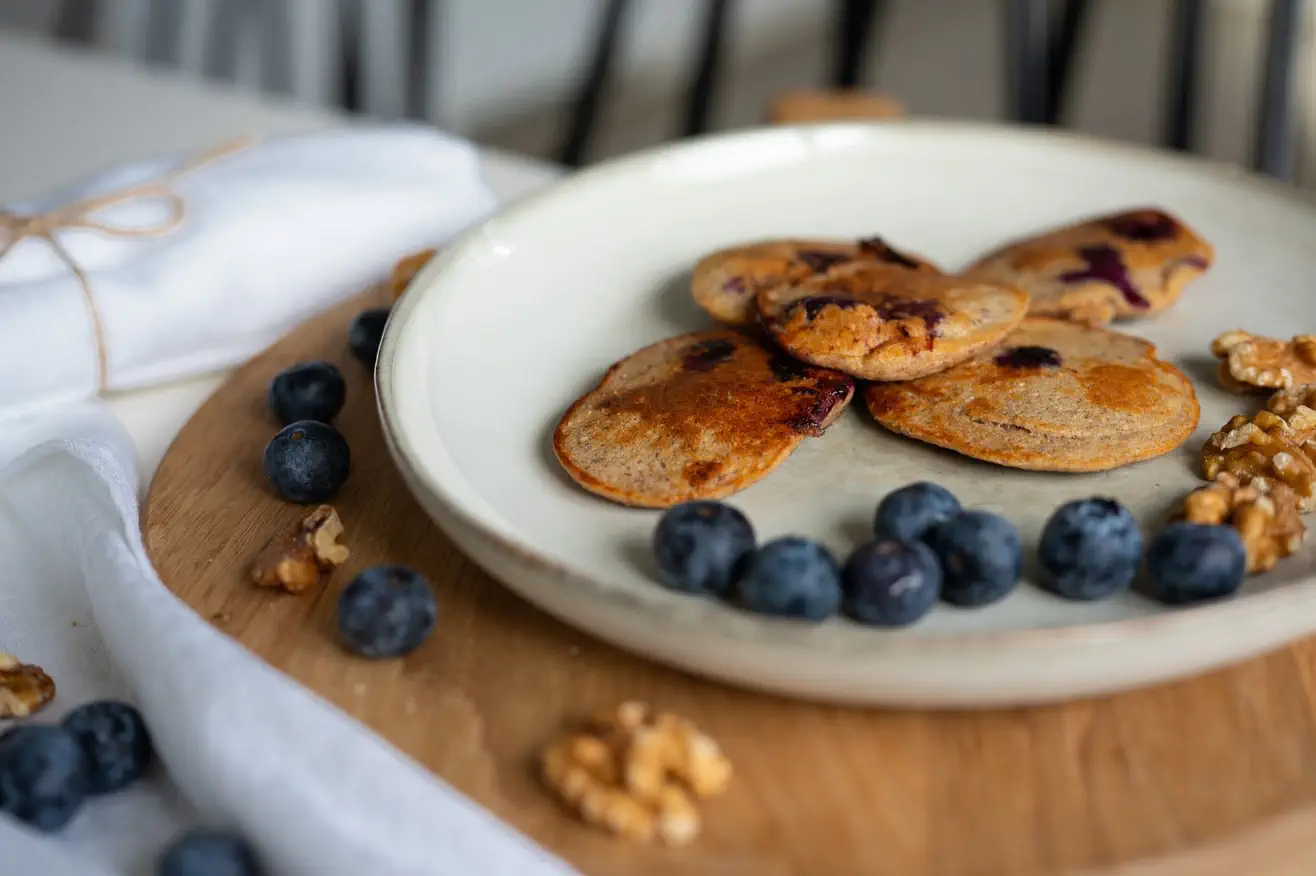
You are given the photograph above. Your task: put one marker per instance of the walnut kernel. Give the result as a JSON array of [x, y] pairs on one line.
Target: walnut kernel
[[1290, 402], [406, 270], [1265, 450], [301, 557], [1265, 363], [24, 689], [637, 774], [1267, 517]]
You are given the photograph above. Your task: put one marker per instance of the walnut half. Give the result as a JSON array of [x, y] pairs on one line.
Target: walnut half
[[1251, 362], [637, 774], [1267, 450], [24, 689], [301, 557], [1267, 517]]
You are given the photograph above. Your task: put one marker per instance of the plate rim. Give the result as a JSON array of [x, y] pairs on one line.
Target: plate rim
[[1180, 620]]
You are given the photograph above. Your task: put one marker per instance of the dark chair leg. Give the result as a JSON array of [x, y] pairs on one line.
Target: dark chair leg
[[704, 82], [1274, 140], [593, 85], [1181, 82], [1060, 60], [854, 34], [1028, 54], [424, 17]]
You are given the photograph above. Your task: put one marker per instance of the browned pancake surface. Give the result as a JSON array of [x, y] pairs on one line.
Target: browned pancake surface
[[1056, 396], [724, 283], [698, 416], [1123, 265], [881, 323]]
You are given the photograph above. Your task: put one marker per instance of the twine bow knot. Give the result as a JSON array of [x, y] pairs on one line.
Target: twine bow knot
[[81, 215]]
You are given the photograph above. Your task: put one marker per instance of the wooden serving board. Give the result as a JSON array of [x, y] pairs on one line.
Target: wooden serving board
[[1213, 776]]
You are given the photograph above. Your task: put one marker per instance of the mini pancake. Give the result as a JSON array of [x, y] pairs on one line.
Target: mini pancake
[[1056, 396], [724, 283], [1124, 265], [698, 416], [881, 323]]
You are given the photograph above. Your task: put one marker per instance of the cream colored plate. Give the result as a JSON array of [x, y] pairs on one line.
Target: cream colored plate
[[499, 335]]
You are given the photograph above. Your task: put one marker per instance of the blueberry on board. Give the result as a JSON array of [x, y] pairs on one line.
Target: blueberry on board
[[792, 577], [386, 611], [1192, 562], [980, 555], [890, 583], [307, 461], [307, 391], [209, 853], [702, 547], [113, 736], [909, 512], [365, 334], [43, 776], [1090, 548]]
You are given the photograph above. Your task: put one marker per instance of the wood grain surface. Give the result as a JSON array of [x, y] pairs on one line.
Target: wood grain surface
[[1215, 776]]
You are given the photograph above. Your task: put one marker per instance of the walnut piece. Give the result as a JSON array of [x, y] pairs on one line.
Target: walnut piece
[[1267, 450], [406, 270], [1267, 517], [24, 689], [637, 774], [303, 556], [1252, 362], [1287, 402]]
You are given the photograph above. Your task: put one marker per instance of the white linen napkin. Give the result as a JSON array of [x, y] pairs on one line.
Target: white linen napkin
[[315, 792], [269, 235]]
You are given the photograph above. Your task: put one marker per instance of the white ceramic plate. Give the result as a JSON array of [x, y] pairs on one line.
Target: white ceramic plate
[[501, 333]]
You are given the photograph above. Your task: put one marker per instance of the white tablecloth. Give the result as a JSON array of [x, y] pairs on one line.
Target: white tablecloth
[[87, 113]]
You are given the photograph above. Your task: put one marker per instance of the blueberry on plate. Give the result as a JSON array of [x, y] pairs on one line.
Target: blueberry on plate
[[890, 583], [909, 512], [307, 391], [386, 611], [43, 776], [702, 547], [307, 461], [208, 853], [1192, 562], [1090, 549], [792, 577], [980, 555], [113, 737], [365, 334]]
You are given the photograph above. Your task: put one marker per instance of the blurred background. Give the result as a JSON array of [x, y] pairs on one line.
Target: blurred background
[[581, 80]]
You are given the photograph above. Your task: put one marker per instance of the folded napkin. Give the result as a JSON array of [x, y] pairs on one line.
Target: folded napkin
[[315, 792], [182, 265]]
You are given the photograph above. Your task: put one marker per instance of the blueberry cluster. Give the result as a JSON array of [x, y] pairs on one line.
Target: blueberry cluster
[[47, 771], [929, 548], [309, 460]]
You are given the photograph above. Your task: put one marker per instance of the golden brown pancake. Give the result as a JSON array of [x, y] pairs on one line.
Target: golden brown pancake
[[1056, 396], [724, 283], [698, 416], [1120, 266], [882, 323]]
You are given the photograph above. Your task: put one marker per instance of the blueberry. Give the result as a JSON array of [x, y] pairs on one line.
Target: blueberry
[[208, 853], [1190, 562], [43, 776], [114, 738], [307, 391], [386, 611], [909, 512], [366, 333], [792, 577], [1090, 549], [307, 461], [980, 556], [891, 583], [702, 547]]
